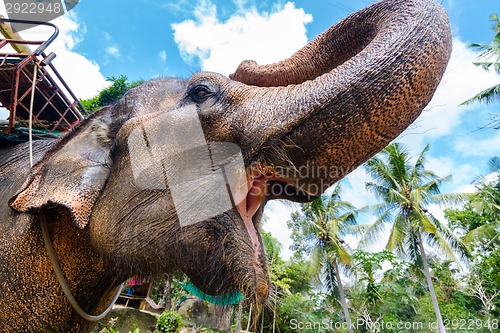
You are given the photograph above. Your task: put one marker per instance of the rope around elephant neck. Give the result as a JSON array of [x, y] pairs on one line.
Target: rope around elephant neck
[[32, 101], [45, 231], [62, 280]]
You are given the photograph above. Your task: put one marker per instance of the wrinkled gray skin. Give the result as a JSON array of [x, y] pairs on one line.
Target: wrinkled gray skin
[[314, 118]]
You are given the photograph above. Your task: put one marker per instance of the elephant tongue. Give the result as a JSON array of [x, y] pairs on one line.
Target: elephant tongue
[[250, 205], [250, 199]]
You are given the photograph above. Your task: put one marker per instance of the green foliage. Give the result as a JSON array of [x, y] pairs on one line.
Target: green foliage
[[119, 86], [169, 322], [368, 269], [405, 189], [298, 313], [479, 219], [483, 282], [110, 328], [289, 277]]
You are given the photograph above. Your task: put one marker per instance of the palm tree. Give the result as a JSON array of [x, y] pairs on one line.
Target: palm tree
[[324, 222], [490, 56], [486, 202], [406, 190]]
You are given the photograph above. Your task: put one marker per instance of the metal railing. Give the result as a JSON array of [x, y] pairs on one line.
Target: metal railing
[[56, 107]]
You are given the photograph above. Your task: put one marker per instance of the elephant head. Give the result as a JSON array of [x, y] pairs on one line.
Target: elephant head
[[296, 127]]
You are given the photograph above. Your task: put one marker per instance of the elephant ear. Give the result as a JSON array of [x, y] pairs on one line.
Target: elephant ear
[[72, 174]]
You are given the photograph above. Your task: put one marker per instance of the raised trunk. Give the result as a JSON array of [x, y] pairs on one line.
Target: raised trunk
[[428, 278], [343, 301], [350, 91]]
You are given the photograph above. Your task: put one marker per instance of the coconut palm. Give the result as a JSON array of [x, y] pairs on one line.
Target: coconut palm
[[324, 222], [406, 190], [489, 58], [486, 202]]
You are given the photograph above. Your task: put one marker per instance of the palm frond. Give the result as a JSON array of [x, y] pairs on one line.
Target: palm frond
[[486, 96], [330, 279], [450, 199], [486, 65], [379, 191], [398, 163], [487, 231], [412, 250], [341, 254], [316, 262], [373, 231], [450, 244], [400, 198], [423, 222], [346, 221], [379, 171], [398, 235], [494, 164], [418, 168]]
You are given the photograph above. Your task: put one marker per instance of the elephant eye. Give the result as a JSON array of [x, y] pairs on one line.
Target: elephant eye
[[200, 93]]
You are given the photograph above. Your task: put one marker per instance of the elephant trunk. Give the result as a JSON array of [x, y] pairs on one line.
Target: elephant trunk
[[349, 92]]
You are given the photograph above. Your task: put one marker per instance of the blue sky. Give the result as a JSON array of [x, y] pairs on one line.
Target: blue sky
[[143, 39], [126, 37]]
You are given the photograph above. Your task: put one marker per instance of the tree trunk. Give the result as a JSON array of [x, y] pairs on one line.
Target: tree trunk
[[427, 273], [343, 301], [274, 313], [238, 319], [167, 295]]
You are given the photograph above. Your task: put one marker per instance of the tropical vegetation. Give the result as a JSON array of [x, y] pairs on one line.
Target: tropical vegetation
[[489, 58]]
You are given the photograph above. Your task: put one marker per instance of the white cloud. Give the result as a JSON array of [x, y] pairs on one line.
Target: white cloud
[[482, 147], [162, 55], [441, 166], [113, 51], [278, 214], [221, 46], [81, 74], [356, 193]]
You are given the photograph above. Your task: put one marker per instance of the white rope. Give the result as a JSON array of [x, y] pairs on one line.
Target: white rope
[[249, 317], [62, 280], [30, 126]]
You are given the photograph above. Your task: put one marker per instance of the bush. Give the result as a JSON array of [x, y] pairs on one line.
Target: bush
[[169, 322]]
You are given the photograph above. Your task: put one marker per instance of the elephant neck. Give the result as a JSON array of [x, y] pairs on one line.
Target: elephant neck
[[40, 305]]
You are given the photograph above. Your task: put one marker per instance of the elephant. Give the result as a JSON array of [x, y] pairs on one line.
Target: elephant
[[300, 125]]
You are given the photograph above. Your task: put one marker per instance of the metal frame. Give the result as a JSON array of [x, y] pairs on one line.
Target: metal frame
[[55, 109]]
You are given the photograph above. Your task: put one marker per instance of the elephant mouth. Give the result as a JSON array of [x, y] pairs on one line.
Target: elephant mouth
[[267, 183], [264, 183]]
